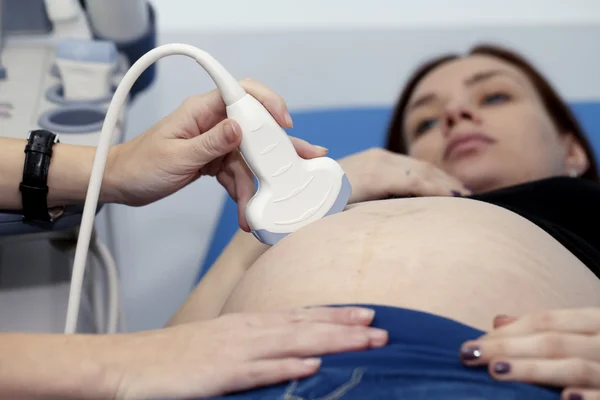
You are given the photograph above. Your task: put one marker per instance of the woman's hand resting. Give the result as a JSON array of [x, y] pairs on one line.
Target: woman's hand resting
[[194, 140], [554, 348], [377, 174], [234, 352]]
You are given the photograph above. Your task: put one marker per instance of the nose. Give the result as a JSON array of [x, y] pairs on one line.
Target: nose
[[456, 114]]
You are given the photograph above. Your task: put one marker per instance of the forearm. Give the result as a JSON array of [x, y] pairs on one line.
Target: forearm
[[68, 175], [56, 366], [209, 297]]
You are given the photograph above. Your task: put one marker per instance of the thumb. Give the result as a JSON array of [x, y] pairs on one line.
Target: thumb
[[221, 140]]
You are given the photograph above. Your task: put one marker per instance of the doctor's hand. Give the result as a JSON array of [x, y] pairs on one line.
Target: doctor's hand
[[235, 352], [559, 348], [194, 140], [377, 174]]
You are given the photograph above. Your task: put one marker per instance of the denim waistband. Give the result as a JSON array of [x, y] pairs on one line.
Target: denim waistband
[[421, 360]]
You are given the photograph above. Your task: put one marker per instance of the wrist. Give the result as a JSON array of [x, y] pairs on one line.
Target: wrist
[[115, 362], [110, 191], [69, 176], [124, 362], [99, 376], [102, 367]]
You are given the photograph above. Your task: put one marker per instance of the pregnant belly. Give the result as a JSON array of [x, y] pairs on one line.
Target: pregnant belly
[[458, 258]]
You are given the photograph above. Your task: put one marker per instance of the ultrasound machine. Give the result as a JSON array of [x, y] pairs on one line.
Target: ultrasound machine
[[60, 62]]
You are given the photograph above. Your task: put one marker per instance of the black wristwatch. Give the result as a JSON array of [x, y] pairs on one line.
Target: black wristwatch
[[34, 186]]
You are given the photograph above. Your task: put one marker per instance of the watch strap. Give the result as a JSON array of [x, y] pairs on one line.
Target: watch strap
[[34, 185]]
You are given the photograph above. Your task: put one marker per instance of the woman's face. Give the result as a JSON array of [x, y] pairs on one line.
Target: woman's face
[[481, 120]]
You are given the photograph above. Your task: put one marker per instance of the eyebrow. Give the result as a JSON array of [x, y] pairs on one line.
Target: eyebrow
[[482, 76], [472, 80]]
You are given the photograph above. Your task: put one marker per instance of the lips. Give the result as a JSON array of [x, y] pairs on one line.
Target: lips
[[466, 142]]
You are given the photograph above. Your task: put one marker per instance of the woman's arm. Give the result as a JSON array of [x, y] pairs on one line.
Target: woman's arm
[[56, 366], [68, 174], [209, 297], [184, 361]]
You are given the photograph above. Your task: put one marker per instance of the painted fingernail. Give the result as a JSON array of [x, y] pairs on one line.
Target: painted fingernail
[[575, 396], [312, 362], [470, 353], [456, 193], [502, 367], [288, 119]]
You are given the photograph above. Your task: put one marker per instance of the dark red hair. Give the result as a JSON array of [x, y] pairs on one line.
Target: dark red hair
[[559, 111]]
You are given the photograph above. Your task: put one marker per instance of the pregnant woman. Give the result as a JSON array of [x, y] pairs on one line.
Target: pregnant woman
[[483, 206]]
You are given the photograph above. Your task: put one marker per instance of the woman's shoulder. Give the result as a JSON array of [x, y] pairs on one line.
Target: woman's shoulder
[[572, 203], [567, 186], [567, 208], [550, 195]]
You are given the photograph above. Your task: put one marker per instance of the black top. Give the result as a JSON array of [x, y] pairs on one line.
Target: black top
[[566, 208]]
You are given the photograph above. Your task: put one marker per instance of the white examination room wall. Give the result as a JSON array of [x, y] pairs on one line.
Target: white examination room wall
[[161, 246]]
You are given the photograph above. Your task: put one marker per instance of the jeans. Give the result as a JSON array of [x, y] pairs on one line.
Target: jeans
[[421, 361]]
